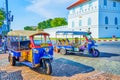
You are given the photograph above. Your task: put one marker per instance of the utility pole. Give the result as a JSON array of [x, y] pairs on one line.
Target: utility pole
[[7, 19]]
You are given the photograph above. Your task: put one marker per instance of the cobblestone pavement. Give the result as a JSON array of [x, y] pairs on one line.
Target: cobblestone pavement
[[70, 67], [109, 60], [68, 70], [110, 50]]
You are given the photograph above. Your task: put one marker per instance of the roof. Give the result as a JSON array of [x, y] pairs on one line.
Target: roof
[[72, 32], [77, 3], [26, 33]]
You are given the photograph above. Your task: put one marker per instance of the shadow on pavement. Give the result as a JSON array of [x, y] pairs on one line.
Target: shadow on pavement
[[108, 55], [102, 55], [64, 67]]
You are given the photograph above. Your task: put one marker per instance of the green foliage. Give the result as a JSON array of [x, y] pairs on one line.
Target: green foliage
[[44, 24], [58, 22], [28, 28], [1, 23], [50, 23], [2, 17]]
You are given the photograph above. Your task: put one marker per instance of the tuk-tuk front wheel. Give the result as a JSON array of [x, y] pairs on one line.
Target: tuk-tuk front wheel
[[12, 60], [47, 67], [95, 53], [63, 51]]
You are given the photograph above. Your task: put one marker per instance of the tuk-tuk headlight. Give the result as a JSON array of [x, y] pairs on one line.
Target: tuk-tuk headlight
[[35, 51], [47, 50]]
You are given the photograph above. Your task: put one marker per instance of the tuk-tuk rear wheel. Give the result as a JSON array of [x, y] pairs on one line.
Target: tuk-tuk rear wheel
[[12, 60], [63, 51]]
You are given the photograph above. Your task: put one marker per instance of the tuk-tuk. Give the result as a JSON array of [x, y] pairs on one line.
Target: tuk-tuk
[[84, 44], [32, 48]]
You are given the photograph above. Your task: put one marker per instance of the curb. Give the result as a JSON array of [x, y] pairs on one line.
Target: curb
[[99, 40], [107, 40]]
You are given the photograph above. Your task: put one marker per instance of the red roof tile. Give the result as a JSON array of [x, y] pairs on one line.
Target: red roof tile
[[76, 3]]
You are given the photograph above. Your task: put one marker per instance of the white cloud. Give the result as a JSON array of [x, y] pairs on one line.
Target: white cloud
[[48, 8]]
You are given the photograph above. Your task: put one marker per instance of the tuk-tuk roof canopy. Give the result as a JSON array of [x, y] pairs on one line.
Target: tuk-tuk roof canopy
[[26, 33], [72, 32]]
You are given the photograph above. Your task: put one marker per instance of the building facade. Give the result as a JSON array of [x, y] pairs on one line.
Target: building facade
[[101, 17]]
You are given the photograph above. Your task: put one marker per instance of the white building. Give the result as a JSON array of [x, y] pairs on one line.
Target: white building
[[52, 31], [101, 17]]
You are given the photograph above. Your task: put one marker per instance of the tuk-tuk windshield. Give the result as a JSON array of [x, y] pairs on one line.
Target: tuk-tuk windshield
[[89, 37], [40, 39]]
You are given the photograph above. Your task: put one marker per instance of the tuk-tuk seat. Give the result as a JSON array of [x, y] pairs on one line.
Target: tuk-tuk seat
[[14, 46], [24, 55], [63, 42], [59, 42], [67, 42], [24, 45]]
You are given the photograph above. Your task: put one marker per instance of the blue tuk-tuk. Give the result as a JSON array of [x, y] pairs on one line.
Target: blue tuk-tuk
[[72, 45], [32, 48]]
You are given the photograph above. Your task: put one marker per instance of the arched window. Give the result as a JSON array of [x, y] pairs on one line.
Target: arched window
[[116, 21], [73, 24], [105, 2], [90, 3], [106, 20], [89, 21], [114, 4]]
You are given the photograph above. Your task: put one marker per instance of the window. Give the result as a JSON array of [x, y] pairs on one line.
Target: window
[[89, 21], [116, 21], [117, 27], [81, 9], [80, 22], [106, 20], [90, 4], [114, 4], [73, 24], [106, 27], [105, 2]]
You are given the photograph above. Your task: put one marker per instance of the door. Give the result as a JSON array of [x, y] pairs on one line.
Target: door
[[30, 56]]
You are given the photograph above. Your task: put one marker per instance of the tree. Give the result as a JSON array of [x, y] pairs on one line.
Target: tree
[[58, 22], [28, 28], [2, 17], [49, 24], [52, 23]]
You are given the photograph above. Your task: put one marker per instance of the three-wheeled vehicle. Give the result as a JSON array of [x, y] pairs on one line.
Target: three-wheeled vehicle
[[32, 48], [84, 44]]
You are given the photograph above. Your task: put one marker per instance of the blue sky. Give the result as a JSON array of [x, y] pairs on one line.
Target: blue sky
[[30, 12]]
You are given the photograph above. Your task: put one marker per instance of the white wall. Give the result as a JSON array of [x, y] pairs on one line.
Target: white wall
[[83, 12], [97, 13], [52, 31], [111, 12]]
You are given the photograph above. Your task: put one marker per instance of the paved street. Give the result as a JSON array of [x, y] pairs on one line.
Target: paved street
[[109, 60], [75, 66], [110, 50]]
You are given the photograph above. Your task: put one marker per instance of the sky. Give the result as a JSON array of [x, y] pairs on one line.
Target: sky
[[31, 12]]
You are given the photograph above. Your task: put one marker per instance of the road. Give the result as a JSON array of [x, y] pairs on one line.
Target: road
[[110, 50], [73, 66]]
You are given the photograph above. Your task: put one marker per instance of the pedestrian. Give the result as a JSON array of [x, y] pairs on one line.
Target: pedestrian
[[4, 45]]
